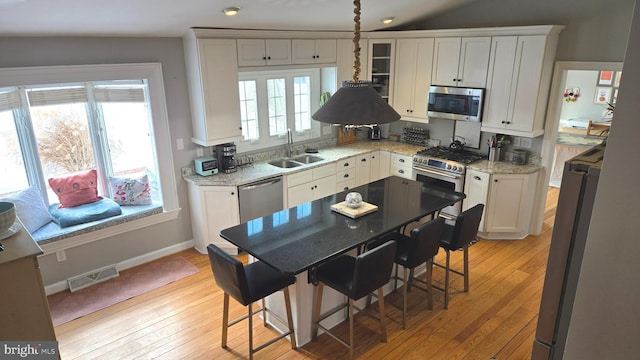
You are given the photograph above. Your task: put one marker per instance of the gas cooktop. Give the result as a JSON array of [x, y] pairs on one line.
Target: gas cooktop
[[444, 153]]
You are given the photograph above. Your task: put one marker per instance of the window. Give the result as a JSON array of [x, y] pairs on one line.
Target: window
[[273, 101], [59, 126]]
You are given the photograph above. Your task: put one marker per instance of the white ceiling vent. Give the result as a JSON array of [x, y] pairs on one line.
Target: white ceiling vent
[[92, 278]]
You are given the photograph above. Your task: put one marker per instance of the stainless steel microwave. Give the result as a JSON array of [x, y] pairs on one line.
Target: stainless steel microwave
[[455, 103]]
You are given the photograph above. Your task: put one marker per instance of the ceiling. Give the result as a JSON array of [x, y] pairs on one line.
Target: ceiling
[[174, 17]]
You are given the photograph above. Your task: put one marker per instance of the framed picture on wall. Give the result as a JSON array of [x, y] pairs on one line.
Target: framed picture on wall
[[603, 95], [616, 83], [605, 78]]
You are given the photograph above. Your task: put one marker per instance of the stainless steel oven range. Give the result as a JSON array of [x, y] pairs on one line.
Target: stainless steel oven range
[[445, 168]]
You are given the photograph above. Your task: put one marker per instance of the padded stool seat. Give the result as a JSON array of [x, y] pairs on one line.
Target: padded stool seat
[[248, 284]]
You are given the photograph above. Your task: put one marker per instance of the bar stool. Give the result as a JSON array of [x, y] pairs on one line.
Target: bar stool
[[418, 248], [459, 237], [248, 284], [355, 278]]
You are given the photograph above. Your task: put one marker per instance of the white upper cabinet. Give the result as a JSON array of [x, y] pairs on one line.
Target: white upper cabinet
[[413, 64], [345, 60], [212, 69], [461, 61], [381, 66], [305, 51], [258, 52], [520, 69]]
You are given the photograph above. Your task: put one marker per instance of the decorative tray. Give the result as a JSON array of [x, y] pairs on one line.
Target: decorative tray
[[364, 209]]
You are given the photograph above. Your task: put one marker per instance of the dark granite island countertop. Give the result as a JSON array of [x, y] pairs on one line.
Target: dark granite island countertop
[[296, 239]]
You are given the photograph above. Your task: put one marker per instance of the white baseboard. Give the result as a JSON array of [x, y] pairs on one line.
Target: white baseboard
[[129, 263]]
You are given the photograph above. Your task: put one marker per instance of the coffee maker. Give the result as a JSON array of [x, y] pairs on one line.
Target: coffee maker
[[225, 154]]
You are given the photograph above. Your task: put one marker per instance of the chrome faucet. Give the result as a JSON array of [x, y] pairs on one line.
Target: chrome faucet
[[289, 147]]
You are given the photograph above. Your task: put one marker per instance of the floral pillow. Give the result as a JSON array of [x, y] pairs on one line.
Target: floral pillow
[[130, 191], [30, 208], [76, 189]]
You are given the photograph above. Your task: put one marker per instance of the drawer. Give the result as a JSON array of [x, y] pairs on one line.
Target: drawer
[[402, 171], [401, 160], [324, 171], [299, 178], [345, 185], [346, 163], [344, 175]]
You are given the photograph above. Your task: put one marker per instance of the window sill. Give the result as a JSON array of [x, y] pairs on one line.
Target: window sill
[[52, 237]]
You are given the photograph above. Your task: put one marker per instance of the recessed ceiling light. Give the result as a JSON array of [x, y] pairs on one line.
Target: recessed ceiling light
[[231, 11], [387, 20]]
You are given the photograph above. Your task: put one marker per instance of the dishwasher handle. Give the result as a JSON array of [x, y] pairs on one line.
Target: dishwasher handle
[[260, 184]]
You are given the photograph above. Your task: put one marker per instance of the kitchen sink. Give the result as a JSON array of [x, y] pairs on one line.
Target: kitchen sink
[[285, 163], [308, 159]]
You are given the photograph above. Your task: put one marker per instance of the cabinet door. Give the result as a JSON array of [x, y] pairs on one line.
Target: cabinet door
[[345, 61], [278, 51], [324, 187], [474, 60], [476, 187], [505, 205], [446, 57], [251, 52], [499, 81], [299, 194], [381, 65], [527, 75], [374, 163], [214, 92], [303, 51], [385, 164], [414, 59], [363, 169], [325, 51], [213, 208]]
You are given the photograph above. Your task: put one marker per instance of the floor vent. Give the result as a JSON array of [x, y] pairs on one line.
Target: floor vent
[[92, 278]]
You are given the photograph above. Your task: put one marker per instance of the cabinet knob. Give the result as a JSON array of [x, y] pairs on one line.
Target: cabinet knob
[[454, 79], [495, 180], [346, 164], [264, 58], [268, 57], [346, 175], [232, 193], [363, 160], [401, 160], [476, 178], [503, 122], [401, 171]]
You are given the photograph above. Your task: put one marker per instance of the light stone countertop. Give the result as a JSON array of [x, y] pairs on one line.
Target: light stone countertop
[[262, 170], [503, 167]]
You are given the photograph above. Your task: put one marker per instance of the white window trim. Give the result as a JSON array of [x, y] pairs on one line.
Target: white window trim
[[42, 75], [265, 140]]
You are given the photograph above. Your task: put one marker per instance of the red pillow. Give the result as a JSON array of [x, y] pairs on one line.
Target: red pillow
[[76, 189]]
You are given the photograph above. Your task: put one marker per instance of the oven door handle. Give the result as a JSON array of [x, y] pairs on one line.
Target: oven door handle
[[438, 173]]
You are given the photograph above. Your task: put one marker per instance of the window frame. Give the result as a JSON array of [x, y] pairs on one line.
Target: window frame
[[261, 76], [151, 72]]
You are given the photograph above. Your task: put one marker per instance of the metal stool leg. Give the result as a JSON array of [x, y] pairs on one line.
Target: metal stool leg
[[446, 280], [466, 268], [287, 302], [250, 331], [428, 274], [383, 327], [351, 329], [316, 312], [404, 298], [225, 319]]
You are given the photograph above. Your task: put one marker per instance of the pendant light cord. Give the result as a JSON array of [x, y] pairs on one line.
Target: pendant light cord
[[356, 41]]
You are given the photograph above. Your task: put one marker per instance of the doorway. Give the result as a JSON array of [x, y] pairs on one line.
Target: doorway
[[554, 117]]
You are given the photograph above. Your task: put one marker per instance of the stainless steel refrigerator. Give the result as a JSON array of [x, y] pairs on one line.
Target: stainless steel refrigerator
[[573, 216]]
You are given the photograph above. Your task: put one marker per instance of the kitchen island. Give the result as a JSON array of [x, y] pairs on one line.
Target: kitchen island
[[296, 240]]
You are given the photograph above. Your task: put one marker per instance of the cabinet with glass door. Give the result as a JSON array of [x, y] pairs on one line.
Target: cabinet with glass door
[[381, 63]]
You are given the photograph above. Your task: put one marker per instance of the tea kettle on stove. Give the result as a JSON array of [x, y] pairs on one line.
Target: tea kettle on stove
[[457, 143]]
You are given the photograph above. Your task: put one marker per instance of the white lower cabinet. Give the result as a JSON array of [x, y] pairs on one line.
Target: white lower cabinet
[[508, 200], [401, 165], [213, 208], [311, 184]]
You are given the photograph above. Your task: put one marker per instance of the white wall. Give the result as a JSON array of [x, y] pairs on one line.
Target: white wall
[[605, 323], [584, 106]]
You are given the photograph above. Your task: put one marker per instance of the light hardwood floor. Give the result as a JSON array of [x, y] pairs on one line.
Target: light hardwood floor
[[182, 320]]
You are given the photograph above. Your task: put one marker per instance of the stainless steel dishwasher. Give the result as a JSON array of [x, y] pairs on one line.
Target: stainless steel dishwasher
[[260, 198]]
